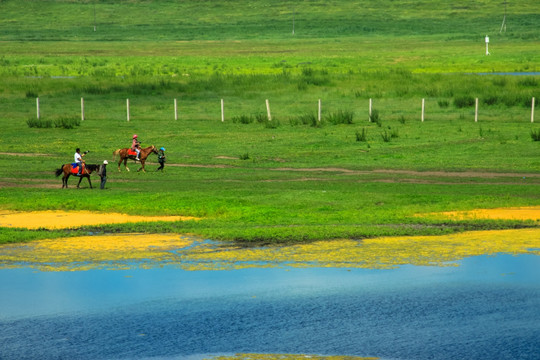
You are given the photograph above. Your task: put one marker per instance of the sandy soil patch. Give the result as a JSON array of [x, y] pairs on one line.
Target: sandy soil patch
[[74, 219], [517, 213]]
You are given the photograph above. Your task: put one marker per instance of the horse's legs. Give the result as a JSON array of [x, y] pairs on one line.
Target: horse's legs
[[79, 183], [64, 180], [89, 182], [142, 166], [125, 163]]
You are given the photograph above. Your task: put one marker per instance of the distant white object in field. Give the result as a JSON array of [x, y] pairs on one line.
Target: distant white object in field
[[487, 44]]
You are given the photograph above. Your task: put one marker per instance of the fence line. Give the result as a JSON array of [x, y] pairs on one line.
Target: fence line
[[319, 109]]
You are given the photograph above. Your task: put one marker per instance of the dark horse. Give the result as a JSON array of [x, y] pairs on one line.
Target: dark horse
[[66, 170], [124, 156]]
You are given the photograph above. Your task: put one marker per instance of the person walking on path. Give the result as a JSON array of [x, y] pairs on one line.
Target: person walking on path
[[161, 159], [103, 173]]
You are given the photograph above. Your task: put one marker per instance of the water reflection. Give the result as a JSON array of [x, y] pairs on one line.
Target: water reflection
[[487, 307]]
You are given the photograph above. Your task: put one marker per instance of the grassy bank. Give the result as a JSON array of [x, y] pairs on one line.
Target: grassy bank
[[293, 178]]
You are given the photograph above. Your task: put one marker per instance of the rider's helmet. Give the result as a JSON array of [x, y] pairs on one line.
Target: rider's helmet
[[134, 136], [162, 149]]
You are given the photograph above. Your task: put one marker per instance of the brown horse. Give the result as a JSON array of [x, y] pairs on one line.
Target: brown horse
[[66, 170], [124, 156]]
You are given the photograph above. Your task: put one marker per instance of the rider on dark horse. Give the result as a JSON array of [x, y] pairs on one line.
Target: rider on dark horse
[[78, 160], [136, 146]]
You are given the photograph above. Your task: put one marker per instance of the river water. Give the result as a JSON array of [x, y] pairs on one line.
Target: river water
[[485, 308]]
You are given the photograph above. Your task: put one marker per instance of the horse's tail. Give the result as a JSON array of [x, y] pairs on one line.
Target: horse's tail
[[58, 172], [115, 153]]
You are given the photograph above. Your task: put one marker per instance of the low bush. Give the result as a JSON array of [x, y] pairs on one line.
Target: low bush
[[375, 118], [443, 103], [361, 136], [39, 123], [464, 101], [340, 117], [535, 135], [67, 122], [243, 119]]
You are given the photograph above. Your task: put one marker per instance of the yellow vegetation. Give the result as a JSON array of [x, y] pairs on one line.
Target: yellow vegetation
[[516, 213], [74, 219], [151, 250]]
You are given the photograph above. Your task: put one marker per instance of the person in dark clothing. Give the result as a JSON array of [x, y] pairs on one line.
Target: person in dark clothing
[[103, 173], [161, 159]]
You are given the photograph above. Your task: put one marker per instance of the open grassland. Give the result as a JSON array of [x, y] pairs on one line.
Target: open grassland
[[293, 178]]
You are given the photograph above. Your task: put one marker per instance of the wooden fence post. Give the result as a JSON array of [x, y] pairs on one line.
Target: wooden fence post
[[476, 110], [222, 111], [268, 110], [370, 107], [423, 108], [532, 110], [175, 110], [127, 108], [82, 109], [37, 107], [319, 111]]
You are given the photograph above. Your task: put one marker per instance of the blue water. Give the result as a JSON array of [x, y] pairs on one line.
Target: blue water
[[487, 308]]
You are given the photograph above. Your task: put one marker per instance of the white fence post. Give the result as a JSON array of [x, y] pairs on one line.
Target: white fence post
[[82, 109], [532, 110], [127, 108], [319, 111], [37, 107], [476, 110], [423, 108], [222, 111], [175, 110], [268, 110], [370, 107]]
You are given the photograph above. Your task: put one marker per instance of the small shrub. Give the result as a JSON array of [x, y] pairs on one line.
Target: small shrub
[[39, 123], [535, 134], [388, 135], [491, 100], [464, 101], [340, 117], [272, 124], [244, 156], [375, 117], [361, 136], [443, 103], [401, 119], [67, 122], [261, 118], [528, 82], [31, 94], [243, 119]]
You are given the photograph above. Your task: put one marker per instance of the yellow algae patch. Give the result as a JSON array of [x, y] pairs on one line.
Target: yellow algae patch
[[515, 213], [286, 357], [379, 253], [74, 219], [148, 251], [94, 252]]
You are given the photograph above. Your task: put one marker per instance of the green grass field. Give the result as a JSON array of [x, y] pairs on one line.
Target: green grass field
[[293, 178]]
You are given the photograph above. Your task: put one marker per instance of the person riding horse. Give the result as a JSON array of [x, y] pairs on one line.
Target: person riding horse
[[136, 146], [78, 159]]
